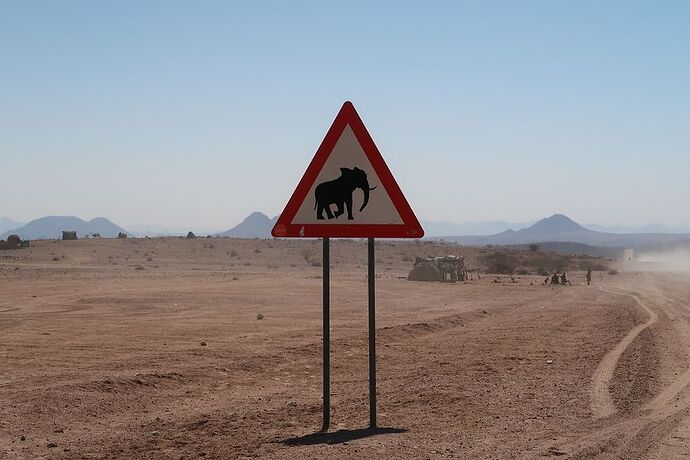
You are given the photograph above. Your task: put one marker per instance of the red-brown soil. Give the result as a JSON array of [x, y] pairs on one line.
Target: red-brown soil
[[101, 355]]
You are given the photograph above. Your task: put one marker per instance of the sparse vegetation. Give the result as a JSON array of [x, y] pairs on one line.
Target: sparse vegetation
[[500, 262]]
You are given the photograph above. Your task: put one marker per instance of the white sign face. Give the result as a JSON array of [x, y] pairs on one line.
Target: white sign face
[[340, 190]]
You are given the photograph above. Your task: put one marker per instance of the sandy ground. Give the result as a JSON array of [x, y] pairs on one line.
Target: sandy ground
[[101, 355]]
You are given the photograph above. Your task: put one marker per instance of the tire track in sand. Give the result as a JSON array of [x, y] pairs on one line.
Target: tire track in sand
[[601, 402]]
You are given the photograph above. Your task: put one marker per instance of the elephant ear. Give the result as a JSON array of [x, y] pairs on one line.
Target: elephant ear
[[345, 171]]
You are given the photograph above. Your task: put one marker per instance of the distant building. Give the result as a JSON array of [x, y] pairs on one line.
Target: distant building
[[69, 235]]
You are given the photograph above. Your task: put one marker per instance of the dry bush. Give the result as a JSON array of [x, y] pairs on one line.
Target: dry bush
[[500, 262]]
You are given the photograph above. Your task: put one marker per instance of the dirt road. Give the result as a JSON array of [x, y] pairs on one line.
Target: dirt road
[[101, 355]]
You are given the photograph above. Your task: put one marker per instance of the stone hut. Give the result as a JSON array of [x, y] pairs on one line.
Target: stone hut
[[13, 242], [69, 235], [445, 269]]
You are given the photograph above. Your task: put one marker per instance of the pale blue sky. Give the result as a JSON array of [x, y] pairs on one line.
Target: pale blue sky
[[173, 113]]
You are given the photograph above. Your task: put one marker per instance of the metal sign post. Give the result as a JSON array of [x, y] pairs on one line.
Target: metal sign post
[[326, 335], [372, 336]]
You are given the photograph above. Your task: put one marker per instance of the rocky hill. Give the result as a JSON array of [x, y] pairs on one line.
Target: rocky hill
[[256, 225]]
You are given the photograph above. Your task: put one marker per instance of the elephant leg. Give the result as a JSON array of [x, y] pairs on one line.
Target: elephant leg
[[319, 211], [328, 212], [348, 204], [341, 209]]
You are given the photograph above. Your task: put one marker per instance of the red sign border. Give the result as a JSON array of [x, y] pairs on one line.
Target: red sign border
[[410, 228]]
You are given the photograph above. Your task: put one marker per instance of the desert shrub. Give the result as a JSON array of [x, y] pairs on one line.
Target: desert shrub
[[315, 263], [548, 263], [259, 316], [613, 272], [534, 247], [150, 259], [500, 262], [233, 253], [521, 271], [257, 250]]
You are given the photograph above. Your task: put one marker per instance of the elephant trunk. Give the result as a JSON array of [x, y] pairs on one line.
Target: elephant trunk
[[366, 190]]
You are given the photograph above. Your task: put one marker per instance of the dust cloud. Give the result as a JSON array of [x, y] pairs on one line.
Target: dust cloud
[[677, 260]]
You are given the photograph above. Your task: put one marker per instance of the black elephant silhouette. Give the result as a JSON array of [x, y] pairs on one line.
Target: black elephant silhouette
[[339, 192]]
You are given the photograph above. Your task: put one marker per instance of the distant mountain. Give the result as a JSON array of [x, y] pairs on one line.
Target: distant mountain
[[256, 225], [51, 227], [440, 228], [8, 224], [560, 228], [651, 228]]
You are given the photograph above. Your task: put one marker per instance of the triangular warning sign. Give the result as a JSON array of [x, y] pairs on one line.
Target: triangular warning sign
[[347, 190]]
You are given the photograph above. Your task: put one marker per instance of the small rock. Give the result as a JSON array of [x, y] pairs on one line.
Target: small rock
[[155, 433], [549, 361], [22, 437], [203, 343], [259, 316], [51, 445]]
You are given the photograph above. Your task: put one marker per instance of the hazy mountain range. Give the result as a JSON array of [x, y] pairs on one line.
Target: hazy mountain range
[[51, 227], [8, 224], [560, 228], [558, 233], [441, 228]]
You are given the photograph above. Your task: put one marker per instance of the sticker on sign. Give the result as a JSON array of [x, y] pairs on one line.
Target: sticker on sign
[[348, 190]]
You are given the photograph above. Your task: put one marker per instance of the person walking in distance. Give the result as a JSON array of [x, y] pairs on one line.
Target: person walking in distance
[[589, 276]]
